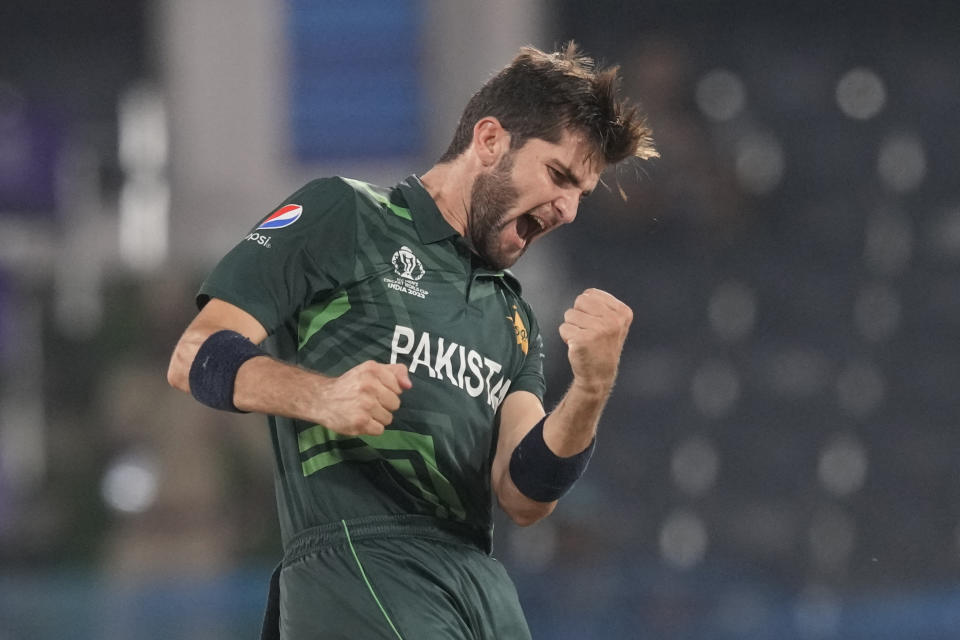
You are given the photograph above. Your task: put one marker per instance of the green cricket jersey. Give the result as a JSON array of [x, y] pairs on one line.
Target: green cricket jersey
[[345, 272]]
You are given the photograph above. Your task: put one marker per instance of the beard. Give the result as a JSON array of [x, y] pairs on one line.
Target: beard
[[492, 196]]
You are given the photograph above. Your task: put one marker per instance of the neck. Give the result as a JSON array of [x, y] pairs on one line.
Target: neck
[[449, 186]]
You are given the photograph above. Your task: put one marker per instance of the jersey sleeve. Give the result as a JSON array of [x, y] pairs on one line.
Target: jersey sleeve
[[305, 249], [531, 376]]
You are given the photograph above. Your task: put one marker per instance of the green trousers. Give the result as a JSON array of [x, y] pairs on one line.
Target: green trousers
[[395, 581]]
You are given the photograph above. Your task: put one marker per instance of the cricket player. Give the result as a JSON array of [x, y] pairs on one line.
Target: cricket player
[[404, 384]]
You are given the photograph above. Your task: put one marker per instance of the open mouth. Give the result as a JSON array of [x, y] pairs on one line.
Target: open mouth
[[529, 226]]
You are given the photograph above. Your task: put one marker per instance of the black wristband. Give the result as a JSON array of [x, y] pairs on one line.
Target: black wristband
[[539, 473], [214, 369]]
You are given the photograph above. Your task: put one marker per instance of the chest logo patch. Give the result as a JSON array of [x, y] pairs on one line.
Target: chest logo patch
[[520, 330], [282, 217], [407, 265], [409, 269]]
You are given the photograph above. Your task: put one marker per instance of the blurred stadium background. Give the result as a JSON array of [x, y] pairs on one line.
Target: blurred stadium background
[[780, 456]]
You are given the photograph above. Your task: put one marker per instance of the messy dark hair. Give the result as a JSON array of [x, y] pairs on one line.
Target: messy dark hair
[[542, 95]]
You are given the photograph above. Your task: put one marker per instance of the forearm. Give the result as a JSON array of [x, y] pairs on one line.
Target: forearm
[[262, 383], [539, 459], [218, 352], [572, 425], [567, 431], [521, 509], [269, 386]]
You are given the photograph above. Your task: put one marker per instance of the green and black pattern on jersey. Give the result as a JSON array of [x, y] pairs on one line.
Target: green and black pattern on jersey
[[367, 273]]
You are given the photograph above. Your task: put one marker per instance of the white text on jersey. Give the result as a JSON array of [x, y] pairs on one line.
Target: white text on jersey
[[463, 368]]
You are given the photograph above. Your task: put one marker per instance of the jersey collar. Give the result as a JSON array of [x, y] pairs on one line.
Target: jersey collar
[[432, 227], [430, 224]]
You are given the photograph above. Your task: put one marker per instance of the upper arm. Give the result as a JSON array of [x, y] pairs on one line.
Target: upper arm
[[273, 272], [520, 411], [276, 271], [216, 315]]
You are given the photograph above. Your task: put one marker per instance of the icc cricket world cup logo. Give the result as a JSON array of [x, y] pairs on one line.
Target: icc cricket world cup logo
[[407, 265]]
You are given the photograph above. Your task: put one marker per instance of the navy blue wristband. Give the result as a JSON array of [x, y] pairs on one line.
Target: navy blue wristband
[[214, 369], [539, 473]]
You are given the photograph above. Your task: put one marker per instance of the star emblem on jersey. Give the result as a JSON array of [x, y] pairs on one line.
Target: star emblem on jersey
[[520, 329], [409, 269]]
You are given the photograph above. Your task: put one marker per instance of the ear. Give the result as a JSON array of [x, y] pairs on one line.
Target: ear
[[490, 141]]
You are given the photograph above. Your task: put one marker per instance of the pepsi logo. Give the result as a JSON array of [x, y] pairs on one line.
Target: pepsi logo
[[282, 217]]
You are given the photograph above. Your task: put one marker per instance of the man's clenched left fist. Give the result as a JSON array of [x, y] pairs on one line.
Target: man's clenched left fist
[[594, 330]]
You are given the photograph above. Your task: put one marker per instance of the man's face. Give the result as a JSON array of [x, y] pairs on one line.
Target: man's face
[[528, 193]]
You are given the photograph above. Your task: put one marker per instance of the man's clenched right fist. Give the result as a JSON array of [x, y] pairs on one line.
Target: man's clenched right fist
[[362, 400]]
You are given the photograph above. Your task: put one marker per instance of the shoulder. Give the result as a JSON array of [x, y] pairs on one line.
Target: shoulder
[[323, 202], [514, 291], [324, 193], [363, 199], [514, 294], [381, 200], [321, 212]]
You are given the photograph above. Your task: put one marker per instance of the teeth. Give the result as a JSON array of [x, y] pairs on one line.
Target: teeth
[[538, 221]]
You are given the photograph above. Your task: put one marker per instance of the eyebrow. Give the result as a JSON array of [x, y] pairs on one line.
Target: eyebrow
[[571, 177]]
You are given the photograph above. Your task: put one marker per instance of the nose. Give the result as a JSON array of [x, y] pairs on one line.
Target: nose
[[566, 205]]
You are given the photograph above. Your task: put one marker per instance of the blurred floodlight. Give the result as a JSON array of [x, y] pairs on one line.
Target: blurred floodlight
[[843, 465], [683, 539], [889, 243], [832, 537], [877, 312], [694, 465], [144, 204], [817, 613], [715, 388], [720, 94], [130, 483], [732, 310], [142, 130], [759, 163], [861, 94], [902, 162], [798, 371], [144, 217], [860, 388]]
